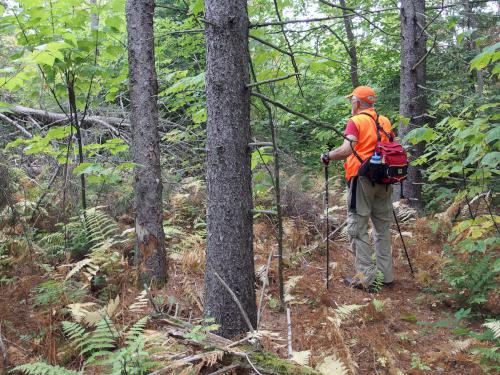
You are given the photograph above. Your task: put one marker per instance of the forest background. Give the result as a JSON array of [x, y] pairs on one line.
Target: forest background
[[67, 173]]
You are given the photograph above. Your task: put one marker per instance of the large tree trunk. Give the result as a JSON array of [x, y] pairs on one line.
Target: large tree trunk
[[352, 45], [412, 102], [229, 204], [145, 142]]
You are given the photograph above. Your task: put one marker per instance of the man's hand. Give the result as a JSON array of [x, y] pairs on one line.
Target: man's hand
[[325, 158]]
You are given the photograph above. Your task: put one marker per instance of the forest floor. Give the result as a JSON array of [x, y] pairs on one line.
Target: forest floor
[[399, 330]]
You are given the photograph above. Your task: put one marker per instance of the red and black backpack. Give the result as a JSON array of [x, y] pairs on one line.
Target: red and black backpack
[[393, 167]]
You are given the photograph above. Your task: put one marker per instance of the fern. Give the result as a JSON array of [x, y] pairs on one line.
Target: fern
[[460, 346], [495, 327], [345, 311], [41, 368], [378, 282], [140, 302], [99, 342], [378, 305], [332, 366]]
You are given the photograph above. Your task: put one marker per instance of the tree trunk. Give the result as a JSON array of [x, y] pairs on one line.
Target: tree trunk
[[471, 25], [229, 201], [150, 255], [352, 45], [412, 102]]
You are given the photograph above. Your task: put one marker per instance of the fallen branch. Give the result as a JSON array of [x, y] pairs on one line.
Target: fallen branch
[[111, 123], [16, 125]]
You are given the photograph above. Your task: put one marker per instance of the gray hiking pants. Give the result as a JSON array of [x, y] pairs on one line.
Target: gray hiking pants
[[364, 201]]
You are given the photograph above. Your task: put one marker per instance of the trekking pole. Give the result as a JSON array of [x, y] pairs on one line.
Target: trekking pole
[[403, 241], [327, 230]]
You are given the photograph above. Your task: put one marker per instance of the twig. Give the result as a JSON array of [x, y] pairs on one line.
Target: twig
[[42, 197], [426, 54], [173, 32], [332, 235], [270, 45], [431, 21], [265, 212], [299, 114], [307, 20], [3, 350], [235, 298], [491, 213], [260, 144], [294, 63], [224, 370], [253, 84], [289, 330], [354, 12], [251, 364], [264, 286]]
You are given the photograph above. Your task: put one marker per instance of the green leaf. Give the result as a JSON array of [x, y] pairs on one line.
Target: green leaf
[[491, 159], [484, 58], [5, 107], [198, 6], [421, 135], [491, 136], [114, 21]]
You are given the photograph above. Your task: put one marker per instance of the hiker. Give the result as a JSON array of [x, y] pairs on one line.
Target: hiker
[[366, 199]]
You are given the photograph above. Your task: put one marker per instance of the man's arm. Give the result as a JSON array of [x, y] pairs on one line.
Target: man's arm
[[344, 150]]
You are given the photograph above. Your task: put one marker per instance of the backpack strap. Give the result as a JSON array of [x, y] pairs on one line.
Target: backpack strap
[[379, 128]]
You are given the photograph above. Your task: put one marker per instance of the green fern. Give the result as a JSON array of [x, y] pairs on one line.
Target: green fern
[[378, 282], [494, 325], [41, 368]]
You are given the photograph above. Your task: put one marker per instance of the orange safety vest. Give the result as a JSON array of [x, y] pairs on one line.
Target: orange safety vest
[[367, 139]]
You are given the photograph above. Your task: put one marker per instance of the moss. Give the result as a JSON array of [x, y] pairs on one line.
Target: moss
[[275, 365]]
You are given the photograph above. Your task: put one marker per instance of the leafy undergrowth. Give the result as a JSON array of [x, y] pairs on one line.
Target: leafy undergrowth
[[68, 299]]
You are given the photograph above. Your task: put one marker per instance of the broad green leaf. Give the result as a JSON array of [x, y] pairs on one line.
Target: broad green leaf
[[491, 159], [421, 135], [198, 6], [484, 58], [116, 22], [5, 107], [493, 135]]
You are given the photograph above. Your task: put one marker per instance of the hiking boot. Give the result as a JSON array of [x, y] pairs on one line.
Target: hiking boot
[[353, 282], [389, 284]]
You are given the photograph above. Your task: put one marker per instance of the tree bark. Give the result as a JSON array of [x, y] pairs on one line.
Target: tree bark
[[412, 102], [352, 45], [229, 201], [150, 255]]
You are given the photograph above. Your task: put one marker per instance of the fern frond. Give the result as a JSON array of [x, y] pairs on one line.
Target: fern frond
[[289, 286], [42, 368], [332, 366], [99, 341], [136, 330], [377, 282], [378, 305], [140, 302], [494, 326], [460, 346], [345, 311], [78, 267]]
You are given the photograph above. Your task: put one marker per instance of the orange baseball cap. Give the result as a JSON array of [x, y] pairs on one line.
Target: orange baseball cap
[[364, 93]]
